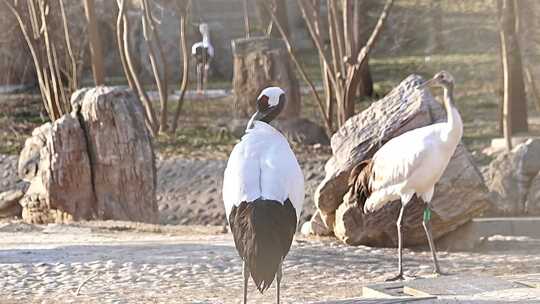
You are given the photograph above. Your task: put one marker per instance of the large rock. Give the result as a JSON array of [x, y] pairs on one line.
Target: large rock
[[56, 163], [514, 182], [9, 203], [459, 195], [258, 63], [94, 163], [532, 204], [9, 179]]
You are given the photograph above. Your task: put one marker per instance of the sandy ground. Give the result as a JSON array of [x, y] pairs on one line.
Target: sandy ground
[[131, 263]]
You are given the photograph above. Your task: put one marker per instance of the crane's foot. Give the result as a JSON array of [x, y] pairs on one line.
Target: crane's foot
[[440, 273], [398, 277]]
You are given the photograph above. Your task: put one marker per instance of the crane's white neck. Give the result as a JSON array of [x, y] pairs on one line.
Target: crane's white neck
[[205, 35], [454, 122]]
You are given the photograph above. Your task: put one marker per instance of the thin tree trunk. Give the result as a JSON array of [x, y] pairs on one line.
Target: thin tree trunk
[[120, 41], [124, 45], [182, 11], [514, 97], [301, 70], [55, 86], [361, 34], [74, 83], [507, 109], [532, 86], [153, 42], [280, 10], [35, 59], [246, 19], [353, 71], [96, 52]]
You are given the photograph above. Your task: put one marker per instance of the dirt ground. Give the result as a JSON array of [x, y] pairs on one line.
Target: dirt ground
[[115, 262]]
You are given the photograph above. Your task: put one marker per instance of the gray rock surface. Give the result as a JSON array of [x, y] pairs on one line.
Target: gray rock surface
[[259, 63], [9, 179], [122, 158], [9, 203], [513, 180], [94, 163], [55, 162]]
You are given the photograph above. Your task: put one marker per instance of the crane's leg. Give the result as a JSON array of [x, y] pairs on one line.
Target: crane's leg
[[200, 72], [279, 274], [205, 79], [245, 272], [399, 225], [427, 227]]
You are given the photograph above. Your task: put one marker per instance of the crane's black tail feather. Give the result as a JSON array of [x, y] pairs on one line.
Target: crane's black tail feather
[[263, 231]]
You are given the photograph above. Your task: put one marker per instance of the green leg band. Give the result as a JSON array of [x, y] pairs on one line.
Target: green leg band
[[427, 214]]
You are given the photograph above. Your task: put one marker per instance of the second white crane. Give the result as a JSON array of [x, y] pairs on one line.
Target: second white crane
[[411, 164]]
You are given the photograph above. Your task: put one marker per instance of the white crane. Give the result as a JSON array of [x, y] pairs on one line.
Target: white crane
[[203, 51], [263, 193], [410, 164]]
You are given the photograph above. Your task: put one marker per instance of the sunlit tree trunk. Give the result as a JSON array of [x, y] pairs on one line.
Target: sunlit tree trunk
[[360, 36], [514, 103], [96, 51]]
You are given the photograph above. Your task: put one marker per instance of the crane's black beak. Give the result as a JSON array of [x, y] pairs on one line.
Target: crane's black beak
[[259, 115], [426, 84]]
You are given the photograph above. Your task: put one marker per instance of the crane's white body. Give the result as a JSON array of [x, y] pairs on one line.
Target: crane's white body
[[413, 162], [205, 43], [262, 165]]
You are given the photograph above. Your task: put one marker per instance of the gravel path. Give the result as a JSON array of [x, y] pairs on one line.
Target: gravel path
[[189, 190], [48, 264]]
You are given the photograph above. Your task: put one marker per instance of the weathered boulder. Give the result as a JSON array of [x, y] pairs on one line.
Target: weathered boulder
[[9, 203], [258, 63], [121, 153], [9, 179], [513, 180], [459, 195], [532, 205], [56, 163], [94, 163]]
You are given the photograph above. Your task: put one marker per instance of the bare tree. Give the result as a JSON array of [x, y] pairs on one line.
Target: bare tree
[[183, 8], [96, 52], [35, 20], [344, 63], [122, 34], [514, 103], [153, 42], [246, 19], [361, 33], [157, 59]]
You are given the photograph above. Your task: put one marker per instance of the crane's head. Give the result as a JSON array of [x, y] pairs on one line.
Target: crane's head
[[270, 103], [441, 79], [204, 29]]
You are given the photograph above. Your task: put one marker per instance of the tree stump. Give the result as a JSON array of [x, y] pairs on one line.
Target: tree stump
[[94, 163], [459, 195], [258, 63]]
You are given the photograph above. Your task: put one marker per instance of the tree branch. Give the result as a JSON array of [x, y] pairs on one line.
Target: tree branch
[[300, 69]]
